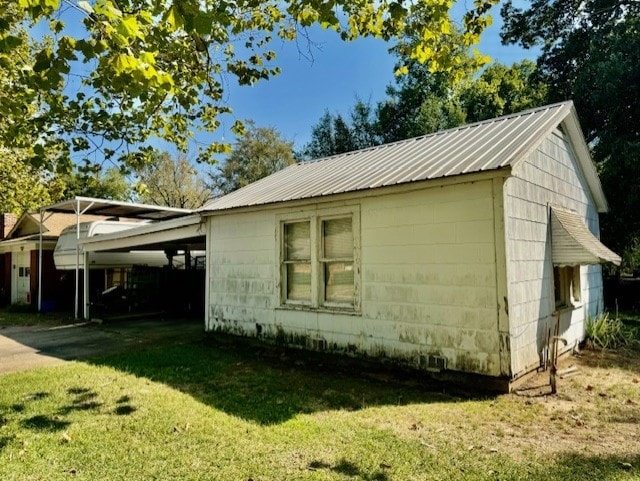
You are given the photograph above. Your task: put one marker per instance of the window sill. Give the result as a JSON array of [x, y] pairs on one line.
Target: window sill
[[324, 310], [567, 308]]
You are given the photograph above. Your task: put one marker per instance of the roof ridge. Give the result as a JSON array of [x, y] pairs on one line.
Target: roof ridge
[[502, 118]]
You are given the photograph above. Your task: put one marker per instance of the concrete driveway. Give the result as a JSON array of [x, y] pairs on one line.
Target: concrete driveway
[[29, 347]]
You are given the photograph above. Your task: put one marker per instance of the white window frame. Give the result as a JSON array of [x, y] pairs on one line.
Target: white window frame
[[284, 262], [315, 218]]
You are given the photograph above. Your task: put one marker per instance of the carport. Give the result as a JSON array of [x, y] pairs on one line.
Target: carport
[[181, 234], [125, 210]]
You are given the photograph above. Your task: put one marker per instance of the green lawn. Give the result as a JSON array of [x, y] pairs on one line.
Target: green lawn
[[22, 316], [193, 409]]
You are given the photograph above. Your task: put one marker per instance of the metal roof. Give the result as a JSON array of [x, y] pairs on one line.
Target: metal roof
[[472, 148], [113, 208], [574, 244]]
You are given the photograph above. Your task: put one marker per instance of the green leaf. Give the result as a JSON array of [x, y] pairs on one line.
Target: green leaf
[[238, 128], [202, 23], [125, 63], [128, 27], [174, 19]]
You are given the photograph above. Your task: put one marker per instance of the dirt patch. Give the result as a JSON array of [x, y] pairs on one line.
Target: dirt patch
[[596, 412], [596, 408]]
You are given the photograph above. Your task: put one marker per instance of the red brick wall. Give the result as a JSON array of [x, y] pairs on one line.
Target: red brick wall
[[51, 284], [7, 221]]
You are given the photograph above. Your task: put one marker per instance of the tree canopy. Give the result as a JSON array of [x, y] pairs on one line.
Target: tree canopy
[[335, 135], [422, 102], [24, 188], [260, 152], [111, 184], [107, 75], [591, 54]]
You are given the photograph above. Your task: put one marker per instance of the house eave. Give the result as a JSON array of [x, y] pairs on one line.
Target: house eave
[[364, 193]]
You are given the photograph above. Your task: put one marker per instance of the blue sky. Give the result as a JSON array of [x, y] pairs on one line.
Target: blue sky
[[294, 101], [338, 73]]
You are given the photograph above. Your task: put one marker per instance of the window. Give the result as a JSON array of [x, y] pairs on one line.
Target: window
[[337, 261], [319, 260], [566, 284], [297, 260]]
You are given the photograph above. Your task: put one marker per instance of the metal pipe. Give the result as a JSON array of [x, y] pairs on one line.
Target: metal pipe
[[77, 296], [40, 262]]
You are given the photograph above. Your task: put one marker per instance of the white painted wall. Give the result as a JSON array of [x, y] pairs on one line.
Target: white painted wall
[[428, 279], [549, 176]]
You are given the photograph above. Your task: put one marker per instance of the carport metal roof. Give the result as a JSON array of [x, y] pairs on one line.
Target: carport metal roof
[[186, 231], [114, 208], [108, 208]]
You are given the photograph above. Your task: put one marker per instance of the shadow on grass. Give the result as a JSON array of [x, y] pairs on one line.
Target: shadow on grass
[[581, 466], [627, 358], [83, 400], [348, 468], [44, 423], [5, 441], [268, 385]]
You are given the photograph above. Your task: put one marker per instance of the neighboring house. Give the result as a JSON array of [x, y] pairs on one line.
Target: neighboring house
[[19, 254], [464, 250]]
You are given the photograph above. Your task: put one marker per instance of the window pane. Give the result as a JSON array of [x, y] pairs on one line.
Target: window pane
[[339, 282], [338, 238], [297, 238], [299, 282], [575, 283]]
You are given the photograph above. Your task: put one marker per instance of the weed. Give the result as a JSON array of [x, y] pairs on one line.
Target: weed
[[608, 332]]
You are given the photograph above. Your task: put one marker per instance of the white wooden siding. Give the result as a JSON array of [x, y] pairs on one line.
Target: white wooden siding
[[549, 176], [428, 279]]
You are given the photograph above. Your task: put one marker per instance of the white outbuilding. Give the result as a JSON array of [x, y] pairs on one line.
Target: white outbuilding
[[466, 250]]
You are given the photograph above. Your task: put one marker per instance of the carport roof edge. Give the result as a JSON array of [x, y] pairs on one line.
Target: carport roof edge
[[114, 208]]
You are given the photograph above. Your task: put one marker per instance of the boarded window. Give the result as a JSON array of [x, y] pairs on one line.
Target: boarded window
[[337, 261], [297, 260]]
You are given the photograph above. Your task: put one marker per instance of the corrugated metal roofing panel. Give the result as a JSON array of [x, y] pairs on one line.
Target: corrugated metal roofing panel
[[478, 147], [574, 244]]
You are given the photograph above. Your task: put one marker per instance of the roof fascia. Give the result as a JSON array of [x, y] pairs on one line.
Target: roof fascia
[[569, 121], [588, 166], [58, 207]]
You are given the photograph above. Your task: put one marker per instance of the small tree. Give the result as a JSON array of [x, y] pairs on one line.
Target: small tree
[[334, 135], [260, 152], [172, 182]]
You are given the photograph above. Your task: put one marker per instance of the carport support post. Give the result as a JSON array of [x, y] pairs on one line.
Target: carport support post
[[77, 296], [86, 265], [86, 285], [40, 262]]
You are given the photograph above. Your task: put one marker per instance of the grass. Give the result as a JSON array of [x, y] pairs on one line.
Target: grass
[[192, 409], [21, 316]]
